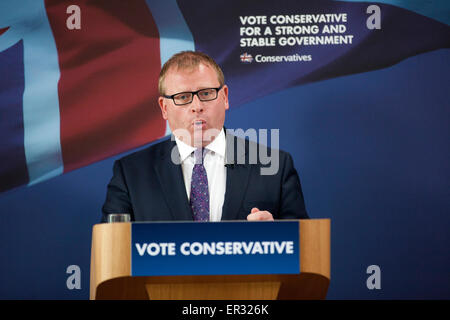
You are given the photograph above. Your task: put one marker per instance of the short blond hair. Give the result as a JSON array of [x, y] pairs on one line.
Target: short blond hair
[[188, 60]]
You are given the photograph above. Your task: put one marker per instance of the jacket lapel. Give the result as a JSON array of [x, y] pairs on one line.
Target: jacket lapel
[[238, 172], [170, 177]]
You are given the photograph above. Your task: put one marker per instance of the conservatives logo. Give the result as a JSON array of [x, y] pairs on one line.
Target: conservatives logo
[[246, 58], [259, 58]]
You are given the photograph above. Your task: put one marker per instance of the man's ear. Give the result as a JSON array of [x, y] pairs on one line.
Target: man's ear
[[225, 92], [163, 107]]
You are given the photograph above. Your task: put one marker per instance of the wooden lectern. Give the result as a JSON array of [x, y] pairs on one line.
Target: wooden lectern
[[111, 272]]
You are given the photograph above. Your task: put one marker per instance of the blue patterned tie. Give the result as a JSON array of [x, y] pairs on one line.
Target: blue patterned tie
[[199, 199]]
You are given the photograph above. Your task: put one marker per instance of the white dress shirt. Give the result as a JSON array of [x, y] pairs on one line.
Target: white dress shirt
[[214, 163]]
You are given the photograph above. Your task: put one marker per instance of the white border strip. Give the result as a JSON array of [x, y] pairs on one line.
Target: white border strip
[[174, 33], [41, 117]]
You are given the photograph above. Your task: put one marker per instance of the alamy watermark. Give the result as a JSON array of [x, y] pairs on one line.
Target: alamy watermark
[[74, 280], [238, 151], [374, 280]]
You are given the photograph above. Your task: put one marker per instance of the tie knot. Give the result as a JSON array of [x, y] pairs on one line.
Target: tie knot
[[199, 154]]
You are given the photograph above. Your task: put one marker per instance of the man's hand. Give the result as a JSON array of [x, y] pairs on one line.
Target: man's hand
[[256, 215]]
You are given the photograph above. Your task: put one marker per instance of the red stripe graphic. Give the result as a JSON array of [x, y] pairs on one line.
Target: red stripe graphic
[[109, 79], [3, 30]]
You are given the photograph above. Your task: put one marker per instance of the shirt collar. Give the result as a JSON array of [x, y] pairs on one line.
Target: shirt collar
[[218, 146]]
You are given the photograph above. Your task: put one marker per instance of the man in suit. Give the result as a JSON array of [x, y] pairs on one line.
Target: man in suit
[[203, 173]]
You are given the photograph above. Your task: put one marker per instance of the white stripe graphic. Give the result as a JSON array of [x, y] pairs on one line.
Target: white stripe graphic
[[174, 33], [41, 116]]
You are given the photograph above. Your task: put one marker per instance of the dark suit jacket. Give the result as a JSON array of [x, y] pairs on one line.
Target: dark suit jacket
[[149, 186]]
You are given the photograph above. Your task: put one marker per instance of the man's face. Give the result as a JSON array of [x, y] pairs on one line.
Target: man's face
[[198, 116]]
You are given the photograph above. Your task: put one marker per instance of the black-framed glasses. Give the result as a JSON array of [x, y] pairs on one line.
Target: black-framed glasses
[[183, 98]]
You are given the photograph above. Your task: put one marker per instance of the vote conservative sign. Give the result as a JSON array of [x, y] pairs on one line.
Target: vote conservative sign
[[215, 248]]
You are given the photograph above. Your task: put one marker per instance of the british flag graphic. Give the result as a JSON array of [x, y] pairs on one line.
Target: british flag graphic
[[246, 58]]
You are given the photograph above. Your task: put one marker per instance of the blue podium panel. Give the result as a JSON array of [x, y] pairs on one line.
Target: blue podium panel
[[215, 248]]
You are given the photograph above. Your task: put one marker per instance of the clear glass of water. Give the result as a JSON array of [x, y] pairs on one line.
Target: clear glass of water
[[118, 217]]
